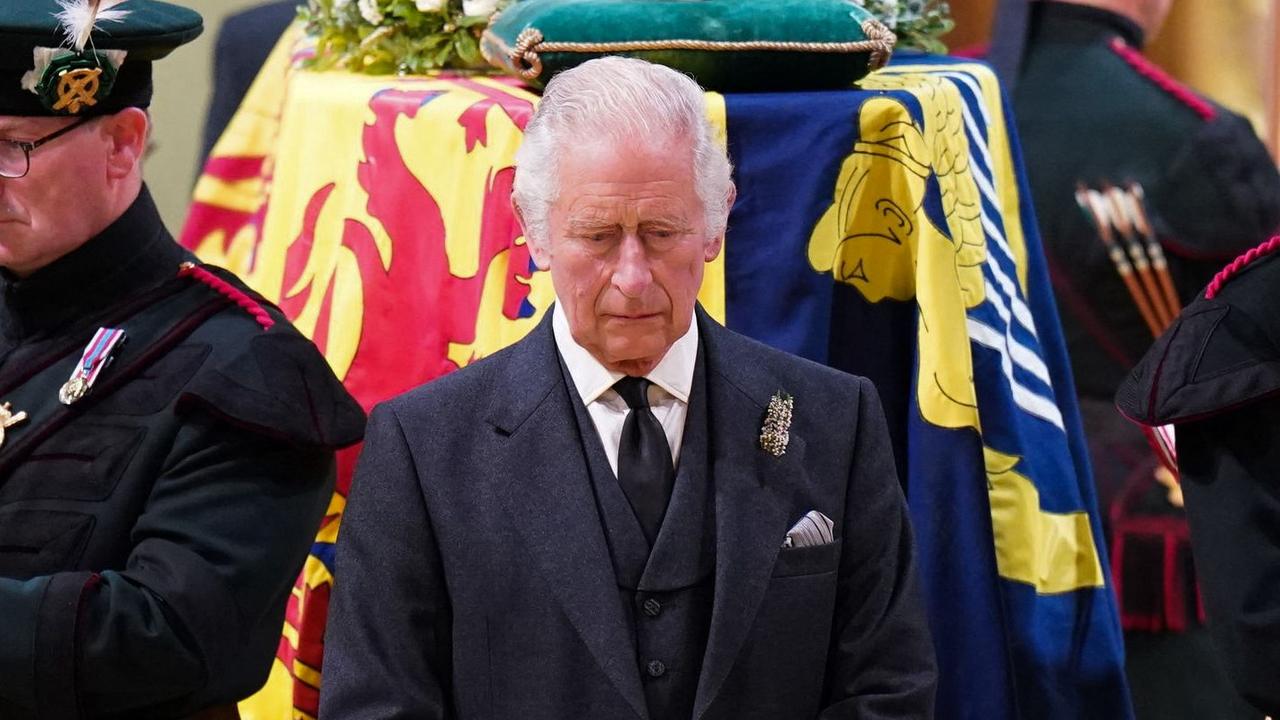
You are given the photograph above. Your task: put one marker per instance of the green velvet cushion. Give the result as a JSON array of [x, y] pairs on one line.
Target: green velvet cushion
[[727, 45]]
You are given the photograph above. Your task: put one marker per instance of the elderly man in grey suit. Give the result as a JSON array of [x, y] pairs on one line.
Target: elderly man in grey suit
[[632, 513]]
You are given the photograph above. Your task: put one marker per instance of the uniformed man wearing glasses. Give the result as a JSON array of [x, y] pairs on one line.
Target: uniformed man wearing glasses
[[166, 437]]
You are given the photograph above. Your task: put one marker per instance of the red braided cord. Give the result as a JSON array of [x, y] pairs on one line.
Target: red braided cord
[[222, 287], [1239, 264], [1147, 69]]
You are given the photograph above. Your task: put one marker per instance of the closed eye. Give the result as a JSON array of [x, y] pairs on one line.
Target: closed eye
[[662, 232]]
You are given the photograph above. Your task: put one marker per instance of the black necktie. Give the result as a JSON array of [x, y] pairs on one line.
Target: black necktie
[[645, 471]]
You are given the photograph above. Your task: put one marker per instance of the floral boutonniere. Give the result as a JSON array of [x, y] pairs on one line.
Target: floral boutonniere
[[775, 434]]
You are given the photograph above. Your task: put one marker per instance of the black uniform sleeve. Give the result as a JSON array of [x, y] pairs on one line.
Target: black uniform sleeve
[[1215, 375], [1228, 465], [194, 618]]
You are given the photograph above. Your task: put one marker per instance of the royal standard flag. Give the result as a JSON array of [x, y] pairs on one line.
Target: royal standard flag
[[877, 230]]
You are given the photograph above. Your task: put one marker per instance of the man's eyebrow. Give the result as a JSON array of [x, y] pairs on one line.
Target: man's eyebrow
[[590, 223]]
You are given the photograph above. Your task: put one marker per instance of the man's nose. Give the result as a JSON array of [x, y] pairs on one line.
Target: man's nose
[[631, 274]]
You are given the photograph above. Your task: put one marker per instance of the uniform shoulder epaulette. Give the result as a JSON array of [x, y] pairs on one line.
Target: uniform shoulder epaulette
[[1163, 80], [234, 294], [1236, 266], [1223, 351], [272, 381]]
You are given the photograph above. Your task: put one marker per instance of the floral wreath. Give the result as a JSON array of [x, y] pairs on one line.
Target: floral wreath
[[414, 37]]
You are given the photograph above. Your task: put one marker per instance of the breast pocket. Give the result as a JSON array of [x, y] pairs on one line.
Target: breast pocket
[[791, 635], [40, 542], [811, 560], [83, 461]]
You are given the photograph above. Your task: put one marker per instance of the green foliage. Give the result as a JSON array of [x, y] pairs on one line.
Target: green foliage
[[412, 37], [919, 24], [388, 37]]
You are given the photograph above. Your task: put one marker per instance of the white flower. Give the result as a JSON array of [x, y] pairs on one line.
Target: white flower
[[340, 4], [479, 7], [369, 11], [430, 5], [889, 13]]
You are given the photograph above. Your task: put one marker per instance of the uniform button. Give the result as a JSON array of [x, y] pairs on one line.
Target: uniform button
[[656, 668], [652, 607]]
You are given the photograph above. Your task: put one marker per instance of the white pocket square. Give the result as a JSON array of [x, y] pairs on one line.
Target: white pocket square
[[813, 529]]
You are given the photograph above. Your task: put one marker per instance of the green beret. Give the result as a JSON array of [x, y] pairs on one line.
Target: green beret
[[42, 73]]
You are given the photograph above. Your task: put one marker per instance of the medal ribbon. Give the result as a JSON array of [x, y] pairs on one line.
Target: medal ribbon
[[97, 353]]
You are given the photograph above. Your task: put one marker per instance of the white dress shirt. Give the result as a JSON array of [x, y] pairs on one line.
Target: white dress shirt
[[668, 396]]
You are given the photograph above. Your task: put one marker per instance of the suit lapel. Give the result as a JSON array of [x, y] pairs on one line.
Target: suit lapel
[[755, 497], [544, 484]]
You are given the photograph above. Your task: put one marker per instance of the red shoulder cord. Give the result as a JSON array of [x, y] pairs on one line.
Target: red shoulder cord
[[224, 288], [1163, 80], [1239, 264]]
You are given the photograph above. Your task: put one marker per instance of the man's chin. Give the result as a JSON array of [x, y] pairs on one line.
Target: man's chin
[[9, 260], [635, 358]]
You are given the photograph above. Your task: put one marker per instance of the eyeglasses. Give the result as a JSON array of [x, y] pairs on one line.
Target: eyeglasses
[[15, 155]]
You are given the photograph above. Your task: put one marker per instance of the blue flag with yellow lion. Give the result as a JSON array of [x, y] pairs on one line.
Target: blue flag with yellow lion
[[916, 262]]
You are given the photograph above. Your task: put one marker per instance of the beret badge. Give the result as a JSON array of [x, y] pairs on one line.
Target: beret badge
[[73, 78], [73, 83]]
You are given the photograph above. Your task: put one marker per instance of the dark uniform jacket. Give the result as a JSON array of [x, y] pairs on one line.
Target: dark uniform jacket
[[1085, 114], [1215, 375], [489, 568], [151, 532]]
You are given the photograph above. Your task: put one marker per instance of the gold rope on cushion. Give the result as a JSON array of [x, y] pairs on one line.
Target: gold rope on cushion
[[524, 56]]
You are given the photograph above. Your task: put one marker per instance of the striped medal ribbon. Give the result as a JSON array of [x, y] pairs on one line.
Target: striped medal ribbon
[[97, 356]]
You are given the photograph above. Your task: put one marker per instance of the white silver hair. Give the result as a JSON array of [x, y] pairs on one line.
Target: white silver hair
[[619, 99]]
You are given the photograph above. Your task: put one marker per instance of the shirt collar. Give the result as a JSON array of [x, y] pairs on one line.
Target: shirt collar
[[674, 373]]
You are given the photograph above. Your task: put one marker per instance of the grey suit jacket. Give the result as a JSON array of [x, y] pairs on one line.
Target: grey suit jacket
[[473, 578]]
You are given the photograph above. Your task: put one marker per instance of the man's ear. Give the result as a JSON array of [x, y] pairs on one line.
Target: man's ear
[[538, 249], [126, 132], [712, 249]]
